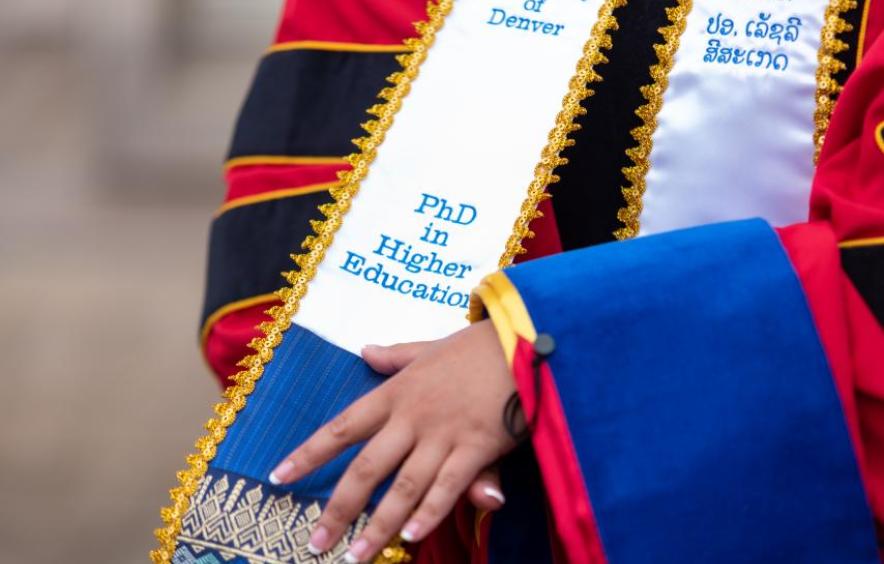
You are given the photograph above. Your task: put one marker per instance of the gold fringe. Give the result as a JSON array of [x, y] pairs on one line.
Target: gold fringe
[[643, 135], [350, 181], [827, 88], [206, 446], [550, 158]]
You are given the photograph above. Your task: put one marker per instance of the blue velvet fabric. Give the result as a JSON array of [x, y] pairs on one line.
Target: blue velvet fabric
[[700, 401], [308, 381]]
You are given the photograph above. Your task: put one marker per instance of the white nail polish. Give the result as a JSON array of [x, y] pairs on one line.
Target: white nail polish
[[274, 480], [313, 550], [409, 531], [350, 559], [494, 494]]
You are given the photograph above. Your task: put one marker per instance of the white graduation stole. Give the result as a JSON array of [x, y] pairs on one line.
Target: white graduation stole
[[735, 132], [439, 202], [438, 205]]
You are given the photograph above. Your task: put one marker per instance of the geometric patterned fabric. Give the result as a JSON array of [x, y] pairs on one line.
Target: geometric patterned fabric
[[237, 519]]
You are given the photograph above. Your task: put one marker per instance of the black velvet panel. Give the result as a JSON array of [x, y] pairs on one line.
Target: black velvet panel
[[249, 247], [588, 197], [865, 268], [311, 103]]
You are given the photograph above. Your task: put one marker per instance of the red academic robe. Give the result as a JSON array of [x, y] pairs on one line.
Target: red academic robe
[[846, 227]]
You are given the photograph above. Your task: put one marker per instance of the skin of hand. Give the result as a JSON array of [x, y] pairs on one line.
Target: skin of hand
[[485, 492], [438, 420]]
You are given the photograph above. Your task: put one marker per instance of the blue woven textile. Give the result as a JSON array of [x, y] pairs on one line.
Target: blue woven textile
[[233, 518], [307, 383]]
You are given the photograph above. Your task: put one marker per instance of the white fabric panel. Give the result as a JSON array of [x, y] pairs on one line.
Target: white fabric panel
[[735, 140], [470, 133]]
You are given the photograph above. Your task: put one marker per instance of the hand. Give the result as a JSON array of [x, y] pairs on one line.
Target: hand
[[484, 493], [439, 418]]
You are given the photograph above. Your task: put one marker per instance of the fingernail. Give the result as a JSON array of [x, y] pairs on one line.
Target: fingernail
[[410, 531], [318, 540], [494, 493], [357, 553], [281, 472], [370, 348]]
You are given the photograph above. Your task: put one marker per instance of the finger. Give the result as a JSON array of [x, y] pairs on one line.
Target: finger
[[356, 423], [485, 492], [392, 359], [371, 466], [409, 486], [454, 477]]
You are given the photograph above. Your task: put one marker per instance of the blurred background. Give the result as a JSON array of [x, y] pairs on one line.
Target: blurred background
[[114, 120]]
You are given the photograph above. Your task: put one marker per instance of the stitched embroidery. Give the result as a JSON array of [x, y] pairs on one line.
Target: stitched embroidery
[[232, 516]]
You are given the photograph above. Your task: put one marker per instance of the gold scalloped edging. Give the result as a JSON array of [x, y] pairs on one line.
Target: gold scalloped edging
[[827, 88], [316, 247], [550, 158], [826, 92], [640, 155]]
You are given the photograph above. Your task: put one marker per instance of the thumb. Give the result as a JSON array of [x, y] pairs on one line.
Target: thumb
[[392, 359]]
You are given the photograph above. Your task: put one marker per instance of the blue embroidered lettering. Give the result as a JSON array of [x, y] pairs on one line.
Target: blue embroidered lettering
[[499, 16]]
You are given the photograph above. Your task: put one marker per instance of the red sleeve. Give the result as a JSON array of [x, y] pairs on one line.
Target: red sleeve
[[847, 208], [349, 25], [376, 22], [848, 190]]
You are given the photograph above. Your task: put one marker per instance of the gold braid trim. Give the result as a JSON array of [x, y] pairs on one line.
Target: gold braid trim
[[827, 88], [643, 135], [550, 158], [826, 92], [316, 247]]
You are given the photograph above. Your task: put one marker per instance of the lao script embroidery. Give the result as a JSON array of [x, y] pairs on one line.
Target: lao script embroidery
[[251, 522], [762, 30]]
